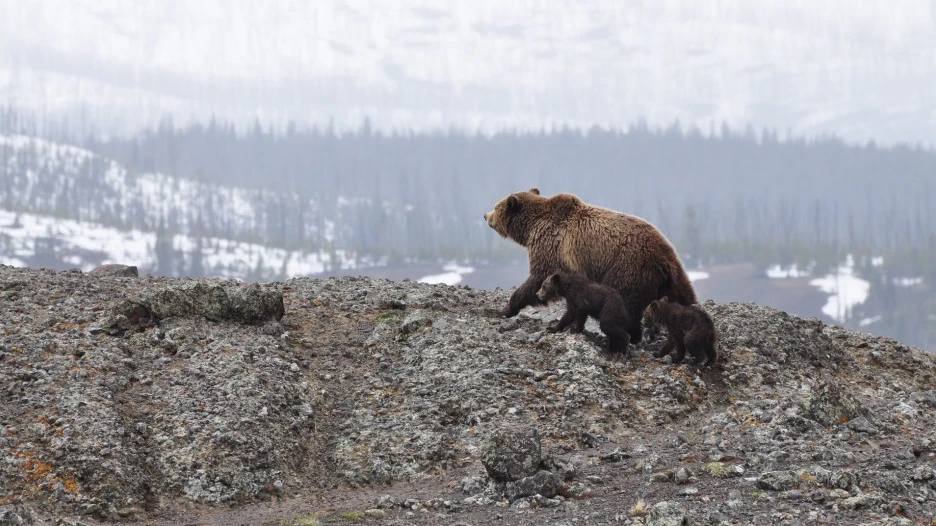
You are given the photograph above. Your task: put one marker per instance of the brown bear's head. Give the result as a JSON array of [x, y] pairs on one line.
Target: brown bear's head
[[511, 216], [655, 312], [549, 290]]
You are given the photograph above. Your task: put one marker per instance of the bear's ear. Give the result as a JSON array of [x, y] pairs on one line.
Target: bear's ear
[[513, 203], [534, 190], [665, 299]]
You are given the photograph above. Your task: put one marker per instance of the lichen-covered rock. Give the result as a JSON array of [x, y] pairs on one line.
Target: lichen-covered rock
[[667, 514], [15, 517], [860, 425], [187, 408], [113, 269], [777, 480], [845, 479], [863, 501], [830, 405], [542, 483], [225, 301], [565, 470], [512, 454]]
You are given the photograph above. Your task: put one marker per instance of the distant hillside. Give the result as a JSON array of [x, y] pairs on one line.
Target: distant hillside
[[62, 206], [68, 182]]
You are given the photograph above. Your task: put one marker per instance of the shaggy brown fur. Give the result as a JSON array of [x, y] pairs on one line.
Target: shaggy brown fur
[[689, 327], [586, 298], [564, 234]]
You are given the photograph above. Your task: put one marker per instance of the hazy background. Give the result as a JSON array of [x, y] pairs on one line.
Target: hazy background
[[786, 148]]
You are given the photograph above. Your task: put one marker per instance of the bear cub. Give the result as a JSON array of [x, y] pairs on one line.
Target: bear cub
[[689, 327], [586, 298]]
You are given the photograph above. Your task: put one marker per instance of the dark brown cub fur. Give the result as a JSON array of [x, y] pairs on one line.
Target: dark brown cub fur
[[689, 327], [586, 298]]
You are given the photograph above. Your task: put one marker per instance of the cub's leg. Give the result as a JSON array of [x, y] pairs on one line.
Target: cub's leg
[[563, 322]]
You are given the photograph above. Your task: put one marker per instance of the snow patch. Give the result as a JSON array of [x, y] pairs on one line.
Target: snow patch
[[452, 276], [846, 290], [907, 282], [793, 271], [697, 275]]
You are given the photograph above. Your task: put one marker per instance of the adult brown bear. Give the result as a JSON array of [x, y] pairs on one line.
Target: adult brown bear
[[564, 234]]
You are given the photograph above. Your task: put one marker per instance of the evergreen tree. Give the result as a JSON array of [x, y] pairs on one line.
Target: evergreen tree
[[165, 253]]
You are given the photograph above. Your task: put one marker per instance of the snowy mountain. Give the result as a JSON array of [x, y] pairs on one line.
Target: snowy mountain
[[861, 69]]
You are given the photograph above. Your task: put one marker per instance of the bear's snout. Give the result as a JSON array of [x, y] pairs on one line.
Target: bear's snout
[[489, 219]]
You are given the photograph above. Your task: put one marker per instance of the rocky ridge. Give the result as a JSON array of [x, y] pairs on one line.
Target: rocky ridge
[[157, 400]]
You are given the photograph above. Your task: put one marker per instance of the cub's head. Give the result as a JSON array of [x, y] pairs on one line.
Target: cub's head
[[549, 290], [511, 216], [655, 312]]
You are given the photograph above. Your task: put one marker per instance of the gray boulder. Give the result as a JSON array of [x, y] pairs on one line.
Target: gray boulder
[[777, 480], [215, 302], [115, 270], [15, 517], [512, 453], [543, 483], [667, 514]]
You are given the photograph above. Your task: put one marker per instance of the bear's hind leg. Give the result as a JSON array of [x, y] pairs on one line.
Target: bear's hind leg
[[634, 308], [710, 355], [701, 347]]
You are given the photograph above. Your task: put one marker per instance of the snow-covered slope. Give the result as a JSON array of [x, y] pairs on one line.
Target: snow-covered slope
[[51, 178], [857, 68], [63, 206], [33, 240]]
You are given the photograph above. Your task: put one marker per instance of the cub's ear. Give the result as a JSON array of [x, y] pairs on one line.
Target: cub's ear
[[534, 190], [665, 299]]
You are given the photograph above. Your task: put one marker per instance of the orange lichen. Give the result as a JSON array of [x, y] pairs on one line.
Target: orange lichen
[[37, 472], [35, 469], [70, 485]]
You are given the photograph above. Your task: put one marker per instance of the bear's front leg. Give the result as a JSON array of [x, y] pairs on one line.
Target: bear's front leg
[[524, 295], [666, 349]]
